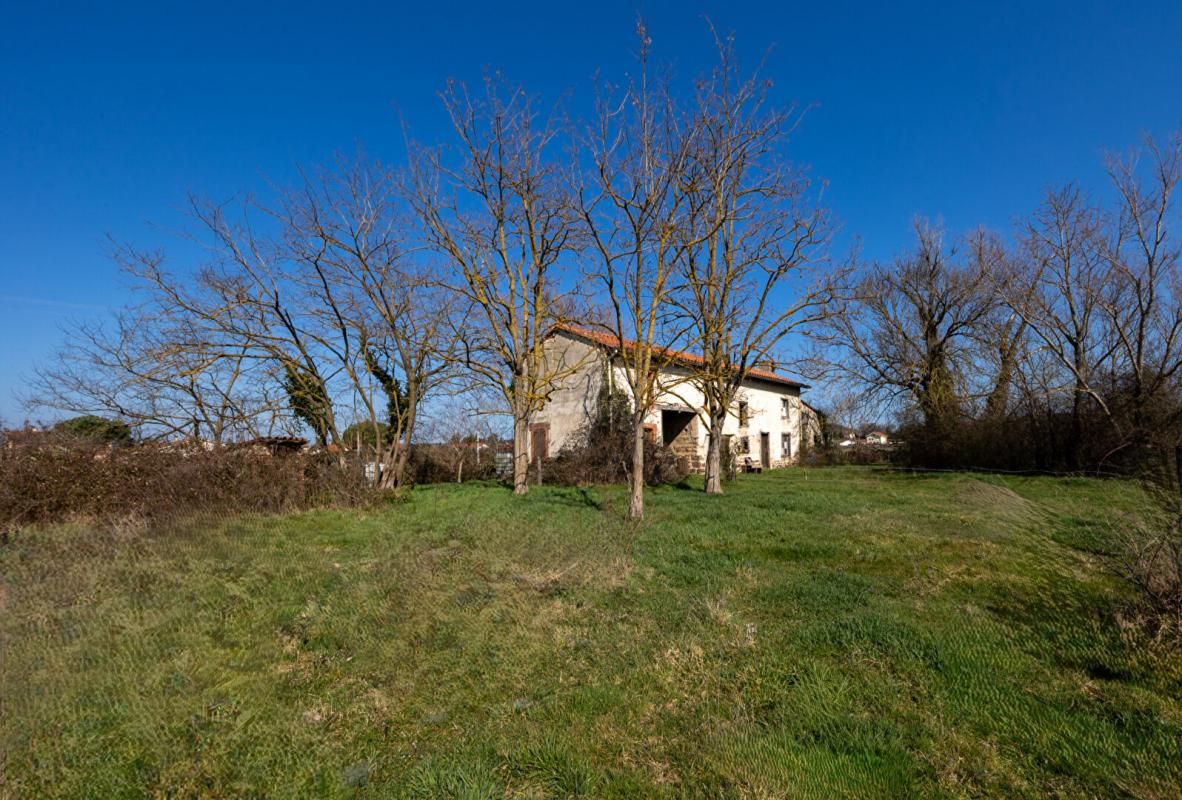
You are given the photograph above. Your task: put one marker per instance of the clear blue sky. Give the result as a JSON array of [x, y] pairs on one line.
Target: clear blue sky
[[112, 113]]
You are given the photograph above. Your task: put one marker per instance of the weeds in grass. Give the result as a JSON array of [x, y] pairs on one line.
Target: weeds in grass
[[811, 634]]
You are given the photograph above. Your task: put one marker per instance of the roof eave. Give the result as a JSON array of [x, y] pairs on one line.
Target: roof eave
[[681, 359]]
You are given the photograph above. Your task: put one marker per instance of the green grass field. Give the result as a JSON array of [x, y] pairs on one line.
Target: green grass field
[[813, 634]]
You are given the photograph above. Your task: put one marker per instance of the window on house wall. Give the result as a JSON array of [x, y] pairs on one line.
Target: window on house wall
[[783, 408], [786, 445], [744, 445], [743, 414]]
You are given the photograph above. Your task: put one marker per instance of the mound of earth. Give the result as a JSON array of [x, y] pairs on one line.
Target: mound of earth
[[998, 500]]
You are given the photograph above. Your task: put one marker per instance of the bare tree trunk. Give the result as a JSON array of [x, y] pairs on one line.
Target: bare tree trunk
[[999, 398], [636, 503], [520, 455], [1075, 441], [397, 454], [714, 453], [400, 464], [394, 460]]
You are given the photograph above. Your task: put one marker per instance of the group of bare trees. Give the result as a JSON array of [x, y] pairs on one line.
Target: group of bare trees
[[702, 235], [670, 219], [667, 219], [305, 312], [1060, 350]]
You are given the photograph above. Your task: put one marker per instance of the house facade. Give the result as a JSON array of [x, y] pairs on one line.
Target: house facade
[[768, 423]]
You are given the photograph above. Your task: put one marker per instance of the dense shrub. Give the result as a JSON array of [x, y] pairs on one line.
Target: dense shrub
[[860, 455], [1134, 437], [451, 462], [1151, 560], [600, 463], [54, 478]]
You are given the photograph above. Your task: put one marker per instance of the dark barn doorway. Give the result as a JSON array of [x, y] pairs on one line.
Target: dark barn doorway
[[765, 450], [679, 432], [673, 423]]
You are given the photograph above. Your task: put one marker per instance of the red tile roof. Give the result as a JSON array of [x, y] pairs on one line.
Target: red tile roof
[[610, 340]]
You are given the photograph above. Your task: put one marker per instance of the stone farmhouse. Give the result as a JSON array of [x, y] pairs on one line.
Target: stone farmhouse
[[767, 426]]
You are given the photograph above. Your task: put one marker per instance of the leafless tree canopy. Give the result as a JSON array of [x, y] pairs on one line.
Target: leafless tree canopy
[[497, 211], [634, 205], [1065, 344], [754, 270], [907, 332], [301, 312]]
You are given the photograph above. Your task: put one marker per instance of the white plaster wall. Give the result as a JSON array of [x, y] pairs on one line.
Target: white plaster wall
[[764, 412], [572, 403]]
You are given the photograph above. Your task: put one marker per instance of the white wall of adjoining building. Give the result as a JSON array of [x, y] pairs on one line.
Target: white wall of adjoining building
[[765, 414]]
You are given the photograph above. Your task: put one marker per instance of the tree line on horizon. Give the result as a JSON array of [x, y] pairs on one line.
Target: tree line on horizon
[[1060, 349], [670, 216]]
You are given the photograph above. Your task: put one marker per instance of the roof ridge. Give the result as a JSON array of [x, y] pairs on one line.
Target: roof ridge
[[608, 339]]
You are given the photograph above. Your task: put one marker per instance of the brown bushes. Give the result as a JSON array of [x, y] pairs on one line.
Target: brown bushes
[[600, 464], [1148, 556], [52, 478], [452, 462]]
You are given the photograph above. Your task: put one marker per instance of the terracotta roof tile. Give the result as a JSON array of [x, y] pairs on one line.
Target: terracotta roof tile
[[680, 356]]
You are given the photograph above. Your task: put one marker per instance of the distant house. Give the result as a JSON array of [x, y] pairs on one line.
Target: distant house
[[767, 424], [850, 439]]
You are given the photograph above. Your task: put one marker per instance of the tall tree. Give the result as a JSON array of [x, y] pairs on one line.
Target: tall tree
[[633, 202], [250, 298], [1065, 254], [906, 332], [155, 367], [1002, 336], [390, 324], [754, 270], [1143, 297], [501, 214]]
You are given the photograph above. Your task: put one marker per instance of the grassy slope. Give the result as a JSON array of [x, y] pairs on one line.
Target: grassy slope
[[811, 634]]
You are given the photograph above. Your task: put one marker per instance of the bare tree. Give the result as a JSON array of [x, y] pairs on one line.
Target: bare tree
[[1064, 310], [754, 271], [154, 369], [1099, 296], [1002, 336], [633, 202], [389, 324], [502, 215], [248, 299], [1143, 301], [318, 300], [906, 333]]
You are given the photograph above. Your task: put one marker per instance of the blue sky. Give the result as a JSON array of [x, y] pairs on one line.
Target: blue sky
[[112, 113]]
